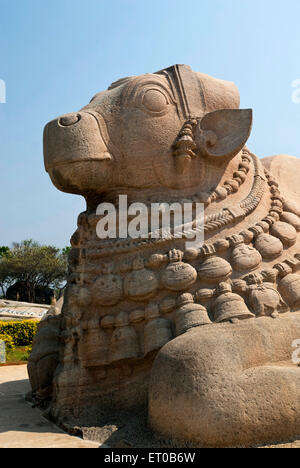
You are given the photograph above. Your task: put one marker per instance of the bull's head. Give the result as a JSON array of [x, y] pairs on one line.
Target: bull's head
[[168, 130]]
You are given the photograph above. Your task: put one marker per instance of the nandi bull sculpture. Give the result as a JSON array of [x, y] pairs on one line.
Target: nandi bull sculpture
[[203, 336]]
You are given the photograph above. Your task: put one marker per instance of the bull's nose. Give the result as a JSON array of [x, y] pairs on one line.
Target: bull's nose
[[68, 120]]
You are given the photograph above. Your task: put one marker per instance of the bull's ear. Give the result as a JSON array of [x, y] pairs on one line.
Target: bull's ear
[[223, 133]]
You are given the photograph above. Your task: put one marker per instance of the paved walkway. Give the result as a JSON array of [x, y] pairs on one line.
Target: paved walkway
[[21, 426]]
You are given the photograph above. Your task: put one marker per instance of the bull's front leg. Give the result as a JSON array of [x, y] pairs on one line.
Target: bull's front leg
[[229, 385]]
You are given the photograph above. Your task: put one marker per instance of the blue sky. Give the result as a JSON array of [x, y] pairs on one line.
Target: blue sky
[[56, 54]]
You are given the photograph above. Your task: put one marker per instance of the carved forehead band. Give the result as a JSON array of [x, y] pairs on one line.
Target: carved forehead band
[[187, 91]]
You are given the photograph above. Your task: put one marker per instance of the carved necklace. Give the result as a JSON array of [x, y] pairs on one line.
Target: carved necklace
[[229, 187], [225, 217], [269, 236]]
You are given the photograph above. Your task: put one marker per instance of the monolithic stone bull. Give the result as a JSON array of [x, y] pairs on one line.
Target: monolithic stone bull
[[149, 320]]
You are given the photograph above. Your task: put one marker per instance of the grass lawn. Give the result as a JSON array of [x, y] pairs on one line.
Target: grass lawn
[[19, 354]]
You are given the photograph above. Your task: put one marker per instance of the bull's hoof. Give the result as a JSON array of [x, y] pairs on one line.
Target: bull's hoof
[[229, 384]]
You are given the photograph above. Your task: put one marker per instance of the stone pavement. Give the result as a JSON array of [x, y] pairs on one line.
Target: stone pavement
[[24, 427], [21, 426]]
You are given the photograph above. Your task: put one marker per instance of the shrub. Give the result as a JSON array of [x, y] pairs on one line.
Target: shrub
[[9, 342], [22, 333]]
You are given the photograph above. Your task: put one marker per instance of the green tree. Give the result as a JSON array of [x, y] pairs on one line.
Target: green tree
[[4, 251], [66, 251], [34, 265], [5, 278]]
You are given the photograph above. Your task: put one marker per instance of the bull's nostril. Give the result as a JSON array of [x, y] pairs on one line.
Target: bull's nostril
[[68, 120]]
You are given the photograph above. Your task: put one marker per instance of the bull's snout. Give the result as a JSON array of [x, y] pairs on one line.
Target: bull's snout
[[72, 138], [75, 150]]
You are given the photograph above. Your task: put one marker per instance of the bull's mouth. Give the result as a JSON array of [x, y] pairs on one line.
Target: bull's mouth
[[105, 158], [82, 176]]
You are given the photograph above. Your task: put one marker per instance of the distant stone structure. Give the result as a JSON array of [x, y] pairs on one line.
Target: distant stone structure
[[202, 335], [20, 292], [2, 352], [22, 310]]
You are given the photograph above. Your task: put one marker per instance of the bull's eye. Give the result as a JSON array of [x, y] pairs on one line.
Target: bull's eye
[[155, 101]]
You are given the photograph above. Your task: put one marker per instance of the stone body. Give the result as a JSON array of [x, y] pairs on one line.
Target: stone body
[[44, 358], [176, 136]]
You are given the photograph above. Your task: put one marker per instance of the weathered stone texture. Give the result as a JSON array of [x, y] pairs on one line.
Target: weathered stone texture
[[220, 318]]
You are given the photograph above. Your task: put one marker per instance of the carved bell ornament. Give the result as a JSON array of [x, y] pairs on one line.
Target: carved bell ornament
[[229, 307], [107, 290], [268, 246], [244, 257], [203, 295], [178, 275], [291, 219], [190, 315], [285, 232], [94, 346], [167, 305], [157, 331], [263, 298], [289, 286], [124, 341], [290, 206], [213, 269], [140, 284]]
